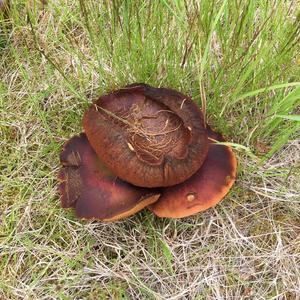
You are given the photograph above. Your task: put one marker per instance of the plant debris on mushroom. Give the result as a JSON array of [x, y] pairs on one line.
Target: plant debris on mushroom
[[150, 137], [95, 193]]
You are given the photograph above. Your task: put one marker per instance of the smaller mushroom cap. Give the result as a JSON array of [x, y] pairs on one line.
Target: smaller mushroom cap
[[205, 188], [95, 193]]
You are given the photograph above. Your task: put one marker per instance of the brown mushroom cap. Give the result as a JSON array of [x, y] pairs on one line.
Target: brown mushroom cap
[[95, 193], [205, 188], [150, 137]]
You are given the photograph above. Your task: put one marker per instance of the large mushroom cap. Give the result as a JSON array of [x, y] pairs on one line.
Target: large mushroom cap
[[205, 188], [95, 193], [150, 137]]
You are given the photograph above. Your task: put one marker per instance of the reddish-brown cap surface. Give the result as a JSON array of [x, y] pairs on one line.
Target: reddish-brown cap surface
[[147, 136], [205, 188], [89, 187]]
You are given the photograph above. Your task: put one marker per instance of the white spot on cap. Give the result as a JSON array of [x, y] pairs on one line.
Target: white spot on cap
[[191, 197]]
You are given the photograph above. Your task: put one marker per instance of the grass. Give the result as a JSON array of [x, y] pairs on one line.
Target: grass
[[243, 57]]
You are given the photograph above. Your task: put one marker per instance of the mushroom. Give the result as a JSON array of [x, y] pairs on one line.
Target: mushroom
[[150, 137], [140, 143], [205, 188], [95, 193]]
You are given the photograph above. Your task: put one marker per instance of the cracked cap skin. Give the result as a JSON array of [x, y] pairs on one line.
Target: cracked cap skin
[[92, 190], [204, 189], [150, 137]]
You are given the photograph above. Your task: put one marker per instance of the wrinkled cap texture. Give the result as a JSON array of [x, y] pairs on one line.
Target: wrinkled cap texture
[[205, 188], [95, 193], [150, 137]]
